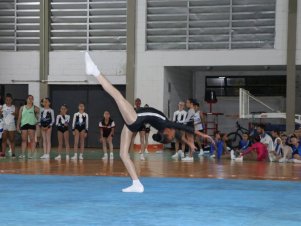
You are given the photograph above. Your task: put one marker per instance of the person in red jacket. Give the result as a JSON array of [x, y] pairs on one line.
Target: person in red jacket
[[259, 148]]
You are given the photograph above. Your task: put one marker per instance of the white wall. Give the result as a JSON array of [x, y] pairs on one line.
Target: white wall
[[180, 89], [69, 66], [64, 68], [229, 106], [150, 64], [21, 68]]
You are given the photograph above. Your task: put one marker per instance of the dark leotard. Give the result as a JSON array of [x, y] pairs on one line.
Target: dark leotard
[[157, 120], [106, 127]]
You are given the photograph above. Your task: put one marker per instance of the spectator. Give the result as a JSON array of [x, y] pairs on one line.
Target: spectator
[[141, 132], [62, 125], [260, 150], [276, 154], [189, 122], [179, 116], [2, 153], [9, 127], [296, 147], [147, 131], [218, 147], [46, 122], [265, 139], [80, 126], [244, 144], [198, 126], [286, 149], [27, 121], [107, 129]]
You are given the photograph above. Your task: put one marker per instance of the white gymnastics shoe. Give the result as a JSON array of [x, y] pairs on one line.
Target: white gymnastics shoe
[[135, 187], [91, 68]]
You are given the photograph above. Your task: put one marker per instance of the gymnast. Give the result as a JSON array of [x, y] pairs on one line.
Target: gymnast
[[167, 130]]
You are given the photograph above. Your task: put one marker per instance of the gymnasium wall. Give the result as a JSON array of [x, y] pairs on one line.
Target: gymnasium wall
[[229, 106], [150, 64], [69, 66], [21, 68], [178, 87]]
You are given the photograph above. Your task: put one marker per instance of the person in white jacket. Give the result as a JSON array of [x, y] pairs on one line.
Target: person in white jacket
[[179, 116]]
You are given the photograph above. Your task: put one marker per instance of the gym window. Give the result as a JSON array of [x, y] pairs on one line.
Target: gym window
[[257, 85]]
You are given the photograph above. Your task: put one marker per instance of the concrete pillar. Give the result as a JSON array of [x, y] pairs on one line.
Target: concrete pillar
[[291, 67], [44, 46], [130, 58]]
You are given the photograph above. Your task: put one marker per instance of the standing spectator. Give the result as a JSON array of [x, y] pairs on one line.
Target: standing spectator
[[46, 122], [189, 122], [179, 116], [265, 139], [62, 125], [2, 152], [107, 129], [9, 127], [80, 130], [198, 126], [38, 133], [147, 132], [141, 132], [27, 120]]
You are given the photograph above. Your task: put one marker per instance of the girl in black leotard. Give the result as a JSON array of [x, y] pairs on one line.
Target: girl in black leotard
[[168, 130], [80, 130], [107, 129], [46, 122], [62, 125]]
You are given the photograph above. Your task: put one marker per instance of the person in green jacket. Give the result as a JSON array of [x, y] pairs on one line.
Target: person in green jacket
[[26, 125]]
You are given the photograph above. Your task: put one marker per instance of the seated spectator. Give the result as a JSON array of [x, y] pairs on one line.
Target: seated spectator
[[213, 147], [244, 144], [220, 145], [260, 150], [296, 147], [276, 153], [265, 138], [285, 149]]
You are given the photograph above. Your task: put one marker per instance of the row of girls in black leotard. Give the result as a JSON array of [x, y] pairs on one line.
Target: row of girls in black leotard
[[79, 128], [79, 125]]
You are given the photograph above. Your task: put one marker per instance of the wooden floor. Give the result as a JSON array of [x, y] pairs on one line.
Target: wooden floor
[[156, 165]]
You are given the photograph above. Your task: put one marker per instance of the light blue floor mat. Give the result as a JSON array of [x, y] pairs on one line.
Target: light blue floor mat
[[86, 200]]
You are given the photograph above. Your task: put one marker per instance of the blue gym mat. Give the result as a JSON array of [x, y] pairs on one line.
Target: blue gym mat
[[91, 200]]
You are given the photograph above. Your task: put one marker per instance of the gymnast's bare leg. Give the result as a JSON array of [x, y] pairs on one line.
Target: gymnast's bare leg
[[129, 115]]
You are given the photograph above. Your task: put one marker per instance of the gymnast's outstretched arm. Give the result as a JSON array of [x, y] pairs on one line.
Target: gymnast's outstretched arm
[[188, 129]]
